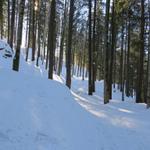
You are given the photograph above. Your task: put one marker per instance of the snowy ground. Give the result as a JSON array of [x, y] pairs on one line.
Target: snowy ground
[[39, 114]]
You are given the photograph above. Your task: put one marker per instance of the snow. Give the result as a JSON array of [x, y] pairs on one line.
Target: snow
[[4, 50], [36, 114], [126, 124], [41, 114]]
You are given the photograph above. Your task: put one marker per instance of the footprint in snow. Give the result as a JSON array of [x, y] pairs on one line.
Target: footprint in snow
[[41, 137], [4, 137]]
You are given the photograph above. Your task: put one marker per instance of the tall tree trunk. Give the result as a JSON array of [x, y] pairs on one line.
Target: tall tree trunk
[[1, 18], [8, 11], [69, 45], [94, 46], [121, 56], [12, 23], [148, 74], [106, 55], [148, 88], [19, 36], [29, 32], [39, 31], [60, 62], [51, 38], [139, 90], [90, 84], [33, 31], [16, 22], [128, 57], [113, 32]]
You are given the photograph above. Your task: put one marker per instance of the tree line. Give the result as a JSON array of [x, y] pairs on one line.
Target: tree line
[[95, 39]]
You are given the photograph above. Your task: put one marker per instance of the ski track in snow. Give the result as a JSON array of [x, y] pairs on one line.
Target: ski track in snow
[[126, 118], [130, 121]]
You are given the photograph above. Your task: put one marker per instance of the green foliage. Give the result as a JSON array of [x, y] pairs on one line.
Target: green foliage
[[122, 5]]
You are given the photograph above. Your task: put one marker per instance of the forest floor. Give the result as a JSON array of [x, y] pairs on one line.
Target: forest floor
[[40, 114]]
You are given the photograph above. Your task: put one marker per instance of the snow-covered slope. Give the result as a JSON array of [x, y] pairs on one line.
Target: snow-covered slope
[[6, 55], [38, 114]]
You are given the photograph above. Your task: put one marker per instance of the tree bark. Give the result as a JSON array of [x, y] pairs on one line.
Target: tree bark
[[90, 84], [60, 62], [69, 45], [12, 23], [128, 57], [19, 36], [51, 38], [106, 56], [139, 90], [113, 43]]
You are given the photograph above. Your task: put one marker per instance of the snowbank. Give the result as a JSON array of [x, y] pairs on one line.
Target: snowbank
[[6, 55]]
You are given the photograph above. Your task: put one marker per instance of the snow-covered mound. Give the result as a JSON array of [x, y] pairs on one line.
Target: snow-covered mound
[[6, 54], [40, 114]]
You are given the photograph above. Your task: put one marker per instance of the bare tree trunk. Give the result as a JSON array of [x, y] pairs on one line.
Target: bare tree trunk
[[113, 24], [8, 11], [128, 58], [121, 56], [90, 84], [69, 45], [29, 32], [1, 18], [12, 23], [139, 90], [106, 55], [33, 31], [62, 40], [94, 46], [39, 32], [51, 38], [148, 75], [19, 36]]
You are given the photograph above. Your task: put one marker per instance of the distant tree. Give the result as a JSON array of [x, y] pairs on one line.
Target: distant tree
[[64, 21], [33, 29], [29, 28], [12, 22]]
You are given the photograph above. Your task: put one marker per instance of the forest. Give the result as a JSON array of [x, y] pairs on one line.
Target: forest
[[74, 74], [97, 40]]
